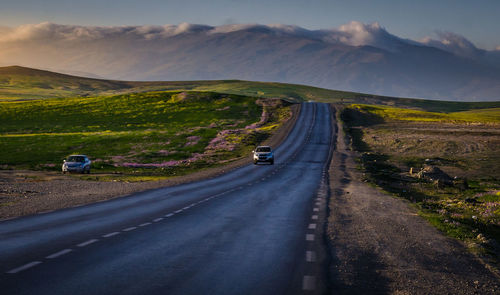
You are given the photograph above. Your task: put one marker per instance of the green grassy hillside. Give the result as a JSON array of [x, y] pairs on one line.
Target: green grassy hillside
[[489, 115], [25, 83], [160, 133]]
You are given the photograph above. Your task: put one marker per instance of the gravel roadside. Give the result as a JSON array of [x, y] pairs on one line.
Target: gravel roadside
[[25, 192], [379, 245]]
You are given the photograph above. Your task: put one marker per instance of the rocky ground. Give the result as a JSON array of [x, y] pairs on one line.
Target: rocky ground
[[462, 150], [379, 244], [25, 192]]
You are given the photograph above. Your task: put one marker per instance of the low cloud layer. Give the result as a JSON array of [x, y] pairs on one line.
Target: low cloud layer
[[354, 56], [454, 43], [353, 34], [55, 32]]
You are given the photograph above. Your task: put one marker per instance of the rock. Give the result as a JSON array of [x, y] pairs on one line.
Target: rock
[[433, 173], [481, 238]]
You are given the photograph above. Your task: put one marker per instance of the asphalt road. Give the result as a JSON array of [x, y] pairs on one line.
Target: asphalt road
[[254, 230]]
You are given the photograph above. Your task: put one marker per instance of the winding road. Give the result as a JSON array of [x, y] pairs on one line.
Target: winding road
[[255, 230]]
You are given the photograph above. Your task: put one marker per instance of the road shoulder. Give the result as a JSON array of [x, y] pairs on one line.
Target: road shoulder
[[379, 244]]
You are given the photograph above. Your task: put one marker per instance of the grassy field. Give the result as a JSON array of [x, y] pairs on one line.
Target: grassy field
[[19, 83], [385, 113], [146, 134], [462, 198]]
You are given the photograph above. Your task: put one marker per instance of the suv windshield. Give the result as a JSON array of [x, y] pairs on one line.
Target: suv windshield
[[263, 150], [76, 159]]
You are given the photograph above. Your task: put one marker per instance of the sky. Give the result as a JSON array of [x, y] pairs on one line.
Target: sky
[[475, 20]]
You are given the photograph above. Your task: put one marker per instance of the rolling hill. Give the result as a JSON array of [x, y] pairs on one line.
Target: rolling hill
[[21, 83]]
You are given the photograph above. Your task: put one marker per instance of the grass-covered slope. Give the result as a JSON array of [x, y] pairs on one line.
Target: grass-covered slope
[[25, 83], [489, 115], [161, 133]]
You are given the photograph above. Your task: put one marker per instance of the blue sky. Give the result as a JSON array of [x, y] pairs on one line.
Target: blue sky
[[414, 19]]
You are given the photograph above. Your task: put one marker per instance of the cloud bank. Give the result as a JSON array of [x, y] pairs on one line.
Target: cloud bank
[[353, 34]]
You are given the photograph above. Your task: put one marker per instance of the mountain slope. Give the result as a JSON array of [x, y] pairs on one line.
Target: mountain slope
[[355, 57]]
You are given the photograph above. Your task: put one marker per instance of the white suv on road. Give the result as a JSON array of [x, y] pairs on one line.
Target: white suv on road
[[263, 154]]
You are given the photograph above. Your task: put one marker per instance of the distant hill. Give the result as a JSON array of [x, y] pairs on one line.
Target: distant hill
[[25, 83], [21, 83], [356, 57]]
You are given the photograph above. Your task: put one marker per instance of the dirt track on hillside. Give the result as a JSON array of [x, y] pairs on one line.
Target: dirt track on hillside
[[31, 192], [379, 245]]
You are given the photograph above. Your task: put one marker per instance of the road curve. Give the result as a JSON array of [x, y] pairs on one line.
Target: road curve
[[245, 232]]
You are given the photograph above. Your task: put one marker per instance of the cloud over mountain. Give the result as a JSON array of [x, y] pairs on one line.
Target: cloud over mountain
[[453, 43], [353, 33], [355, 56]]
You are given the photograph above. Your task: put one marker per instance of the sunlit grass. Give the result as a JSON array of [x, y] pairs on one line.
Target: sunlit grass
[[490, 115], [151, 131], [17, 83]]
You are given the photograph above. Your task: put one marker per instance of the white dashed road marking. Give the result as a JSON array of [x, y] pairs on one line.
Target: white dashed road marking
[[316, 209], [45, 212], [310, 256], [60, 253], [24, 267], [87, 243], [309, 237], [111, 234], [314, 217], [309, 283], [312, 226]]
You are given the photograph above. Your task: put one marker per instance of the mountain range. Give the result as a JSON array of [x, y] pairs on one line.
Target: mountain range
[[354, 57]]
